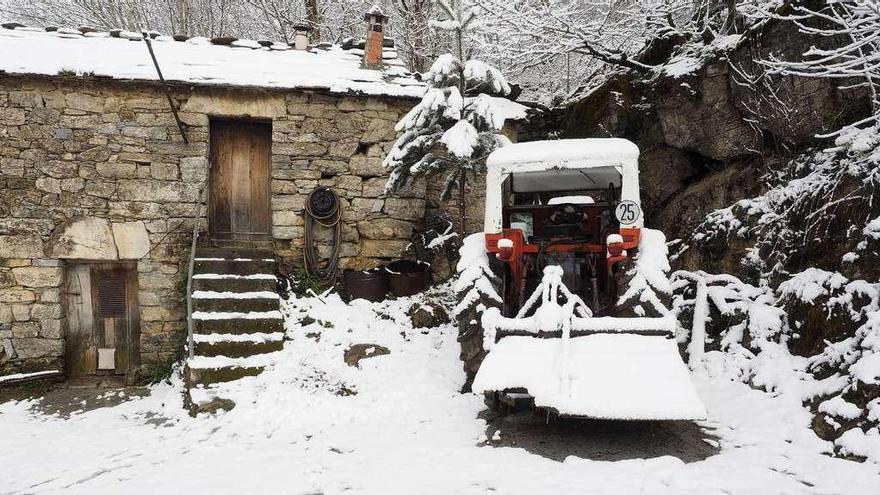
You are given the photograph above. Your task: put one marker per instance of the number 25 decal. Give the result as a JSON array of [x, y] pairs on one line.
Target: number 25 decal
[[627, 212]]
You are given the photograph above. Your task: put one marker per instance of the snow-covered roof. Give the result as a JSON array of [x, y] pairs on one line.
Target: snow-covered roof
[[224, 62], [558, 165], [565, 153]]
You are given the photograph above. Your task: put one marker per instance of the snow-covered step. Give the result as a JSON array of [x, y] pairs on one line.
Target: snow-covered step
[[238, 266], [234, 253], [216, 362], [203, 294], [238, 323], [234, 284], [208, 375], [206, 370], [237, 345], [233, 276], [237, 315], [216, 301]]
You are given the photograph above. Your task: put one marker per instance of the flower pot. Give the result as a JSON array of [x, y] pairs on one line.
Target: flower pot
[[406, 277]]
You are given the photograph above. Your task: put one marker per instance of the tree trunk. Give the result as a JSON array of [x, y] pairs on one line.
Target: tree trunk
[[462, 178], [462, 214], [313, 15]]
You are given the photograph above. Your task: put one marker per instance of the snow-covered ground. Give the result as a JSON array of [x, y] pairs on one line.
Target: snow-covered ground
[[299, 429]]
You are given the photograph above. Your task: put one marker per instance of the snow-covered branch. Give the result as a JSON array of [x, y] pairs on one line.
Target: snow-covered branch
[[851, 31]]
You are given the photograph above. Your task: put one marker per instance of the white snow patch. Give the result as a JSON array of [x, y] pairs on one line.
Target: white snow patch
[[257, 337], [199, 62], [206, 294], [407, 430], [217, 276], [603, 376], [573, 200], [19, 376], [840, 408], [682, 65], [216, 362]]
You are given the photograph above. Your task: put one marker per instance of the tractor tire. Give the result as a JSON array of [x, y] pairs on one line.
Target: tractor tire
[[470, 326]]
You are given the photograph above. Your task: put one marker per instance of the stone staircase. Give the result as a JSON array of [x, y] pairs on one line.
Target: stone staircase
[[237, 322]]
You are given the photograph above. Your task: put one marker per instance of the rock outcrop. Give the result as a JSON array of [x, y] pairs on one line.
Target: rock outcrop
[[708, 121]]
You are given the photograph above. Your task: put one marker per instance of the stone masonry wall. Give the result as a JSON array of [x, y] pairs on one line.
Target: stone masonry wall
[[96, 169]]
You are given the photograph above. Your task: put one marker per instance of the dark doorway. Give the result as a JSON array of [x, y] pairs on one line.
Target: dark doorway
[[239, 196]]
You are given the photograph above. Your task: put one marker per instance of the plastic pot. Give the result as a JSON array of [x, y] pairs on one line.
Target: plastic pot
[[407, 277]]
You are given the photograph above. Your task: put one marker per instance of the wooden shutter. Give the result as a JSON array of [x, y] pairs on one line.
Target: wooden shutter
[[111, 297], [116, 315]]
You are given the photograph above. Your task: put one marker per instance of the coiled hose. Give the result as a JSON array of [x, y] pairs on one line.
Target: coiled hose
[[322, 208]]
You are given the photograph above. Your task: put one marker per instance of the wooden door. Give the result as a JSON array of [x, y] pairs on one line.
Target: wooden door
[[239, 199], [103, 319]]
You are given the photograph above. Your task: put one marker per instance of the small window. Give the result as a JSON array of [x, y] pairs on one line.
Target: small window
[[111, 297]]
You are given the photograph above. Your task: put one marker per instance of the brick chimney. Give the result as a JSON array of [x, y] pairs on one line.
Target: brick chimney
[[375, 36]]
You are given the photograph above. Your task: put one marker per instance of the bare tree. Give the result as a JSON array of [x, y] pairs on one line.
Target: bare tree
[[313, 14], [536, 32], [853, 27], [414, 37]]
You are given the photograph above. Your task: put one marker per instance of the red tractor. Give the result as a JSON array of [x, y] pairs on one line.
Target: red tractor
[[563, 221]]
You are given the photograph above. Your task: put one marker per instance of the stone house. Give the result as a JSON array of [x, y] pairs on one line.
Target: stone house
[[104, 169]]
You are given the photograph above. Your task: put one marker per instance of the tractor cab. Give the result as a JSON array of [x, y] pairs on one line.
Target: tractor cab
[[563, 219], [573, 203]]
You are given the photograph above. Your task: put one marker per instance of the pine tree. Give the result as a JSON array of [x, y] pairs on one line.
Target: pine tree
[[453, 129]]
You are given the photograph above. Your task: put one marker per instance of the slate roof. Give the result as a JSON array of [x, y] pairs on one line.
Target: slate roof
[[123, 55]]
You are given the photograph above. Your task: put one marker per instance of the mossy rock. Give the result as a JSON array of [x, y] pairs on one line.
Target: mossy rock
[[428, 315], [354, 354]]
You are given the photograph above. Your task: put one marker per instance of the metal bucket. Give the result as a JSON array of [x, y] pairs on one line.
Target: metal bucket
[[408, 277], [371, 285]]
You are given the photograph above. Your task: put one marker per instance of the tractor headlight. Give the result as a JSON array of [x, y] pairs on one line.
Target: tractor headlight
[[615, 244], [505, 249]]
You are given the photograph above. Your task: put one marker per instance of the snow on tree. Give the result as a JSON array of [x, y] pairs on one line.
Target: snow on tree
[[738, 318], [855, 58], [541, 30], [648, 289], [454, 128], [475, 277], [477, 290]]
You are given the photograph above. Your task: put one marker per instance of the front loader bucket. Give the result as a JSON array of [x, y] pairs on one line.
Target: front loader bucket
[[611, 375], [577, 365]]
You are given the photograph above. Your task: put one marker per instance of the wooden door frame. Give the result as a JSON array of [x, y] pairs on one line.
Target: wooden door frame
[[212, 235], [133, 349]]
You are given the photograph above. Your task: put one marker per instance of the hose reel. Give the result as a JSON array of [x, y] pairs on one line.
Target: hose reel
[[322, 208]]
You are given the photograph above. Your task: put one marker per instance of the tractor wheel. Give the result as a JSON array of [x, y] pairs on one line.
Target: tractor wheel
[[470, 326]]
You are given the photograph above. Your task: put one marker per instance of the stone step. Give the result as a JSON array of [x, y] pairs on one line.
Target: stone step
[[238, 325], [234, 266], [235, 284], [234, 252], [237, 349], [235, 304], [208, 376]]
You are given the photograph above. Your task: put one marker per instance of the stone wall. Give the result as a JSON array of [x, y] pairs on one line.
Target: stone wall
[[95, 169], [475, 203]]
